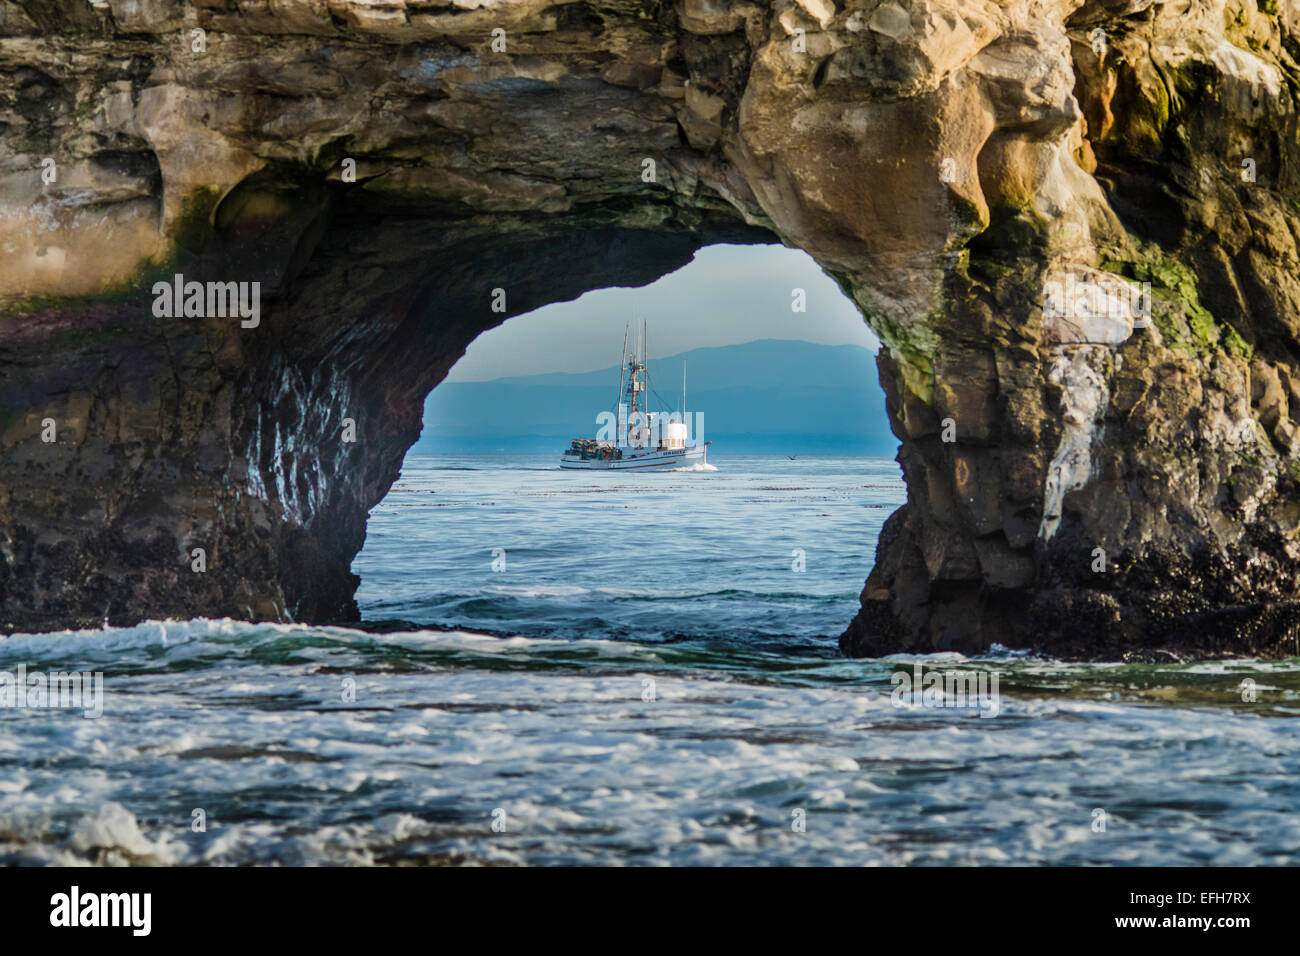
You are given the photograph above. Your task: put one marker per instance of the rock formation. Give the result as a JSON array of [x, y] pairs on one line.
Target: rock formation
[[1073, 223]]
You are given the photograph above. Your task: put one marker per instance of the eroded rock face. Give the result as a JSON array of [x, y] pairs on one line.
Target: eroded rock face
[[1094, 467]]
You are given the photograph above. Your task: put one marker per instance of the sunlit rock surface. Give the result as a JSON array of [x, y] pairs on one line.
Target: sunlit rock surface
[[1073, 225]]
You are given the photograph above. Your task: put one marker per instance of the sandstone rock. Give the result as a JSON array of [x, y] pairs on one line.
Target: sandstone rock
[[380, 168]]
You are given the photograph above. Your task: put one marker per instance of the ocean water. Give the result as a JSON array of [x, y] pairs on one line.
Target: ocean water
[[648, 680], [495, 545]]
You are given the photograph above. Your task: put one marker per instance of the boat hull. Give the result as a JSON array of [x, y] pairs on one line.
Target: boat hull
[[666, 459]]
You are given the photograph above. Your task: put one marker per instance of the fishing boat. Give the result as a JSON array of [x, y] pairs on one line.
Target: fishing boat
[[641, 438]]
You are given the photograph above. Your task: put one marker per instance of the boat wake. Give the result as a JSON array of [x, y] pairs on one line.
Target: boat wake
[[698, 466]]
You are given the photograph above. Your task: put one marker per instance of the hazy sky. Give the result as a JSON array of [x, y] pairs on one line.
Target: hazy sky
[[727, 295]]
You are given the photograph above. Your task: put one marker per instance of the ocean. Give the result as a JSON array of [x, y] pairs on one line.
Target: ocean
[[587, 668]]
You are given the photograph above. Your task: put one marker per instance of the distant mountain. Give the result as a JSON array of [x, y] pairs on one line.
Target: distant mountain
[[764, 396], [767, 361]]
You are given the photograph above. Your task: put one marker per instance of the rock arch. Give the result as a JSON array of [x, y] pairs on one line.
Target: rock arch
[[963, 169]]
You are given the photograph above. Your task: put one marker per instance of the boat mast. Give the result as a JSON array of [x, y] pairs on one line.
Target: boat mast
[[632, 387], [631, 371], [645, 376]]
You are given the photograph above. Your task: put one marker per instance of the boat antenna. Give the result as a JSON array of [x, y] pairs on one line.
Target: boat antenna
[[618, 402], [683, 390]]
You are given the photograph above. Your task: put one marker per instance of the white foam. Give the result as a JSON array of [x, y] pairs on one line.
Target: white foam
[[698, 466]]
